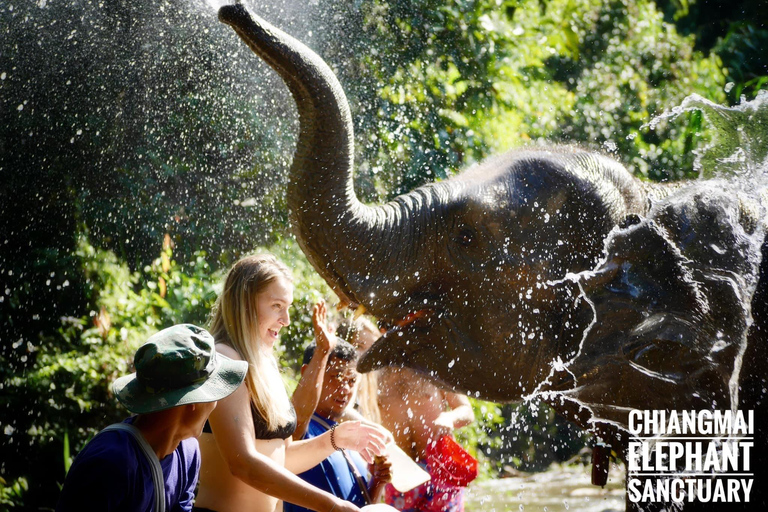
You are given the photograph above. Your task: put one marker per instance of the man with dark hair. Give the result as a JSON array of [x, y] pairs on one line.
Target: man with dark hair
[[151, 461], [344, 473], [342, 351], [421, 417]]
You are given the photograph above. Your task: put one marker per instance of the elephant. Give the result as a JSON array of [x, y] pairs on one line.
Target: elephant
[[546, 271]]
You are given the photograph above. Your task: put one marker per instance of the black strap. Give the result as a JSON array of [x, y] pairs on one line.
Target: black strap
[[352, 466]]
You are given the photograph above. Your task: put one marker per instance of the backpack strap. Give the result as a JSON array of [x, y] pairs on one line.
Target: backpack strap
[[352, 467], [154, 463]]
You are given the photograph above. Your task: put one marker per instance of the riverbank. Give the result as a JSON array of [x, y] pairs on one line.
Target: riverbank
[[560, 488]]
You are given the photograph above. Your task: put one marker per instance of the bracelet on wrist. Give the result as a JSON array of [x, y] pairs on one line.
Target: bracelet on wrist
[[333, 440]]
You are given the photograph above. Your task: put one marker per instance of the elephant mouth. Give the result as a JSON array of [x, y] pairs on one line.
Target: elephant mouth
[[413, 317], [398, 344]]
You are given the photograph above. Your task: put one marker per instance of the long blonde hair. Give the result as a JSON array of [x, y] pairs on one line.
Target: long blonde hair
[[234, 322]]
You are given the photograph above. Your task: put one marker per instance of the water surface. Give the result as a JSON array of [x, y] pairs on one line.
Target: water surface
[[558, 489]]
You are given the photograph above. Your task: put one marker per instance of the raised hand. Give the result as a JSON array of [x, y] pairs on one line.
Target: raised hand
[[326, 341]]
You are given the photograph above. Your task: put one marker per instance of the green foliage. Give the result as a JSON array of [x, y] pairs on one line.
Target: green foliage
[[633, 66], [737, 31], [124, 121], [12, 495], [535, 436], [482, 438], [64, 396], [529, 436], [418, 114], [743, 52], [477, 77], [68, 459]]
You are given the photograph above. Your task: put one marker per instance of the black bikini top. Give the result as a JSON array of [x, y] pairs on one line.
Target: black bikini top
[[261, 429]]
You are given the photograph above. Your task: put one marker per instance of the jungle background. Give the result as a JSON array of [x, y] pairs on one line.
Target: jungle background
[[144, 149]]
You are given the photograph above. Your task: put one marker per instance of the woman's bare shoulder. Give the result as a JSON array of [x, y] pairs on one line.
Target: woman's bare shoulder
[[226, 350]]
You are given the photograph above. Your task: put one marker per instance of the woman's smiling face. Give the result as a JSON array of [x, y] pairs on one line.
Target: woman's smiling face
[[272, 310]]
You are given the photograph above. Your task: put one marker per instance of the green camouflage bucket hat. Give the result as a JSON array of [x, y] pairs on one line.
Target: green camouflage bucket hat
[[178, 366]]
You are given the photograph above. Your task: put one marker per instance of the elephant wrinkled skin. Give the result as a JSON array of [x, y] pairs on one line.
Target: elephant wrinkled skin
[[548, 270]]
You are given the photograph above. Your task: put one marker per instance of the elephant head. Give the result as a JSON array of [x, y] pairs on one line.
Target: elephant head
[[672, 309], [468, 272]]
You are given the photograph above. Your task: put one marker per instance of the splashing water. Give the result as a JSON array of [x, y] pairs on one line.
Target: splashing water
[[672, 296], [218, 4], [740, 145]]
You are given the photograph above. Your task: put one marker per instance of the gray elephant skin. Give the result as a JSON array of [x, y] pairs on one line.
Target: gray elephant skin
[[547, 271]]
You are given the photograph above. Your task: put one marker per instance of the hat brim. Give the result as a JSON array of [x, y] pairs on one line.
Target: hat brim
[[222, 382]]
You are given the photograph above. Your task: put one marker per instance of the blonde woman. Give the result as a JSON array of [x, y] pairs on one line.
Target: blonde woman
[[249, 459]]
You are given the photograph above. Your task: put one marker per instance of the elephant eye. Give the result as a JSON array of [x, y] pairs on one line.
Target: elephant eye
[[465, 237]]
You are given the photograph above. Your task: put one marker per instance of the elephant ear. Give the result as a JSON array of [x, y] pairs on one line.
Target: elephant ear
[[671, 302]]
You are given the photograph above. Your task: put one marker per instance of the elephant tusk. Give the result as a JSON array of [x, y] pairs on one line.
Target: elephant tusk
[[359, 312]]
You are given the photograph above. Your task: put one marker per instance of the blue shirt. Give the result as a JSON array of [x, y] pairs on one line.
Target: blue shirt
[[113, 474], [333, 474]]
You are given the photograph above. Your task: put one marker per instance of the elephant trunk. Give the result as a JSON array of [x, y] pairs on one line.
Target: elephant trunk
[[329, 222]]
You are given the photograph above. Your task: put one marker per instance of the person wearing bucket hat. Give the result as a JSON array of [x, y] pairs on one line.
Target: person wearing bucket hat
[[178, 380]]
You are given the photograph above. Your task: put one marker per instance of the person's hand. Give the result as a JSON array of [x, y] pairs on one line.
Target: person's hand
[[443, 425], [366, 438], [381, 470], [389, 438], [326, 341], [345, 506]]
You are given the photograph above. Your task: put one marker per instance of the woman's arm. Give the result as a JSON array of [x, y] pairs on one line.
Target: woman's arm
[[366, 438], [307, 394], [460, 414], [232, 424]]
